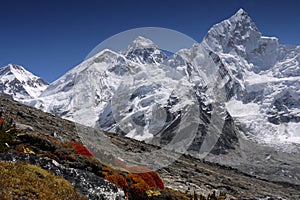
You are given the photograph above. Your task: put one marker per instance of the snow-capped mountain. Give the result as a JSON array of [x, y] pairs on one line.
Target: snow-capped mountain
[[264, 79], [98, 78], [143, 93], [144, 51], [94, 81], [138, 92], [237, 89], [19, 83]]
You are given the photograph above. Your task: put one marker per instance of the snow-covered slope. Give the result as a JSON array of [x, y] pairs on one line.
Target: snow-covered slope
[[20, 84], [141, 92], [100, 75], [144, 51], [264, 79], [138, 92]]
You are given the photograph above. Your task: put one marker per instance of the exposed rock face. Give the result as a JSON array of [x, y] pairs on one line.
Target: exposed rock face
[[89, 184]]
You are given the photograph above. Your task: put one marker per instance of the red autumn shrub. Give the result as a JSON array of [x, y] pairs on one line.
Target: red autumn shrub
[[149, 176], [114, 177], [138, 185], [81, 150], [157, 179], [152, 179], [135, 182], [118, 180]]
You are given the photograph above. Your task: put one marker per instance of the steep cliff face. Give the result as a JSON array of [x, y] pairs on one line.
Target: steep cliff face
[[263, 85]]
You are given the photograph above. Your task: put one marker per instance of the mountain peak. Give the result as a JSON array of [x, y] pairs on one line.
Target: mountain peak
[[238, 30], [11, 69], [15, 68], [243, 17], [19, 83], [143, 50], [241, 12], [140, 43], [143, 42]]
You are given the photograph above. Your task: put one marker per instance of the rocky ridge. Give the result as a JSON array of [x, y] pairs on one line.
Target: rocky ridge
[[187, 175]]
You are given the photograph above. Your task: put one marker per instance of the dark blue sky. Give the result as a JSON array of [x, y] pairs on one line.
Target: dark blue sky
[[49, 37]]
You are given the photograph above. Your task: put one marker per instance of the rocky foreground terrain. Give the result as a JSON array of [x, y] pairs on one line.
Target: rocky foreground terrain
[[47, 161]]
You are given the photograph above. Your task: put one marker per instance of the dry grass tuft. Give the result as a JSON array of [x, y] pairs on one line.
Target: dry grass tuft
[[25, 181]]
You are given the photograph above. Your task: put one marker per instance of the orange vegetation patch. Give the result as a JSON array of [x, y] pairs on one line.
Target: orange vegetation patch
[[138, 186], [149, 176], [135, 183], [118, 179]]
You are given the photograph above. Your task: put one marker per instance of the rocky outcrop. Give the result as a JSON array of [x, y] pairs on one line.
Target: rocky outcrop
[[87, 183]]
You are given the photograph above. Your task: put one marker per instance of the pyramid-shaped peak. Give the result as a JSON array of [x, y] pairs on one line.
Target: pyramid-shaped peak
[[12, 68], [141, 42], [241, 12], [231, 33], [239, 21], [241, 16], [15, 67]]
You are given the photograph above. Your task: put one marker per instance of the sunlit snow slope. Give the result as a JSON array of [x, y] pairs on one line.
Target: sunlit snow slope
[[20, 84], [265, 75]]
